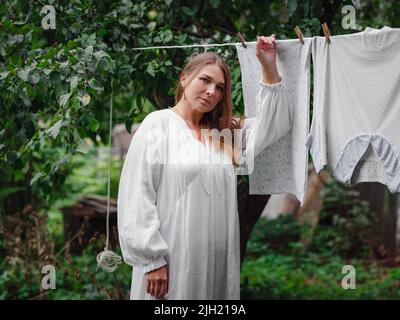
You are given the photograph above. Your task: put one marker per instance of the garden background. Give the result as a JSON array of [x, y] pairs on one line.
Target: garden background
[[56, 87]]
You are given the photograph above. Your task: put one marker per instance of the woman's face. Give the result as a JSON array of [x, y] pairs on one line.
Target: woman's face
[[206, 89]]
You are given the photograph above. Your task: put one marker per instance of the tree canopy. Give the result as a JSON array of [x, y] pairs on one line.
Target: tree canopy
[[55, 84]]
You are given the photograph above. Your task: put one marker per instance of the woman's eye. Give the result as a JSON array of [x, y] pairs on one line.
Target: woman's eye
[[204, 80], [221, 89]]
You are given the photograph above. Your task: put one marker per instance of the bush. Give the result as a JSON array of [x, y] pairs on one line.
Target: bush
[[77, 277], [31, 239], [347, 226], [282, 235], [274, 268]]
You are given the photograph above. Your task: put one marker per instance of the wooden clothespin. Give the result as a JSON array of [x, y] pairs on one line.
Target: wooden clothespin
[[242, 39], [326, 31], [299, 34]]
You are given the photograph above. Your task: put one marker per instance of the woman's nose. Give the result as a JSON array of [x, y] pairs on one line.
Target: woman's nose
[[211, 90]]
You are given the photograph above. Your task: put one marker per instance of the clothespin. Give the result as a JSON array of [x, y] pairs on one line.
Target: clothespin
[[242, 39], [299, 34], [326, 31]]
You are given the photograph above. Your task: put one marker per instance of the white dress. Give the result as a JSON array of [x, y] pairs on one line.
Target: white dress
[[178, 206]]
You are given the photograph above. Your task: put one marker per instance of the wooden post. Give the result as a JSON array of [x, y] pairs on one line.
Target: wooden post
[[385, 205]]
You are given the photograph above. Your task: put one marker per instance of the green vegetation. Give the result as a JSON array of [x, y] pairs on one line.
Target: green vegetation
[[290, 259], [55, 93]]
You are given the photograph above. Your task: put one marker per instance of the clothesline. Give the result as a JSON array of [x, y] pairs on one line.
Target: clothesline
[[299, 34], [187, 46]]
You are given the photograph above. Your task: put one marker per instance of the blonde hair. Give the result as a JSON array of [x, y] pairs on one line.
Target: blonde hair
[[220, 117]]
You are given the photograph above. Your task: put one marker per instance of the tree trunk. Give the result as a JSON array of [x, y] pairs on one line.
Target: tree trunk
[[385, 205], [250, 209]]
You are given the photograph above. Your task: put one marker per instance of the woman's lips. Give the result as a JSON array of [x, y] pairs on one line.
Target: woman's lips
[[205, 100]]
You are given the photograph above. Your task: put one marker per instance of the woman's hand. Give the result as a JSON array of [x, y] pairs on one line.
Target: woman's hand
[[266, 54], [157, 282]]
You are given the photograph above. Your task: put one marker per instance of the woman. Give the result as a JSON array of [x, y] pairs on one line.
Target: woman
[[177, 210]]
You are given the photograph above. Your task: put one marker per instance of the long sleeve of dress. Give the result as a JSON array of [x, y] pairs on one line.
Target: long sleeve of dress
[[141, 242], [273, 120]]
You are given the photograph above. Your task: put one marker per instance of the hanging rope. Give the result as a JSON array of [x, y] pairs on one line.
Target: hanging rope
[[187, 46], [107, 259]]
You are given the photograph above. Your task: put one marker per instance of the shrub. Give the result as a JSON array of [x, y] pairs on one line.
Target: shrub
[[347, 226]]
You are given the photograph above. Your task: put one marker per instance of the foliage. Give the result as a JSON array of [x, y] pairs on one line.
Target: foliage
[[77, 277], [55, 90], [276, 273], [55, 84], [277, 276], [282, 235], [33, 239], [89, 174], [347, 226]]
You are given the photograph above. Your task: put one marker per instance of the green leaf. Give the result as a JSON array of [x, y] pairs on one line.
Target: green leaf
[[96, 85], [18, 38], [94, 124], [64, 99], [306, 8], [47, 71], [215, 3], [292, 6], [150, 69], [29, 128], [315, 23], [168, 2], [12, 156], [34, 77], [167, 36], [82, 146], [135, 25], [54, 130], [85, 99], [152, 25], [101, 54], [23, 74], [64, 64], [139, 103], [103, 59], [54, 78], [188, 11], [25, 98], [37, 177], [74, 82], [4, 192], [128, 124], [102, 32], [4, 75], [88, 53]]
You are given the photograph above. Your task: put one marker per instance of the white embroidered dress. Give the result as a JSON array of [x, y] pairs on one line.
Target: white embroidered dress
[[182, 211]]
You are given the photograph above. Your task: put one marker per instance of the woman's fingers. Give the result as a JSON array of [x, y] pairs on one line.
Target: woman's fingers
[[157, 282], [153, 287], [265, 43], [162, 290], [150, 286], [157, 288], [165, 288]]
